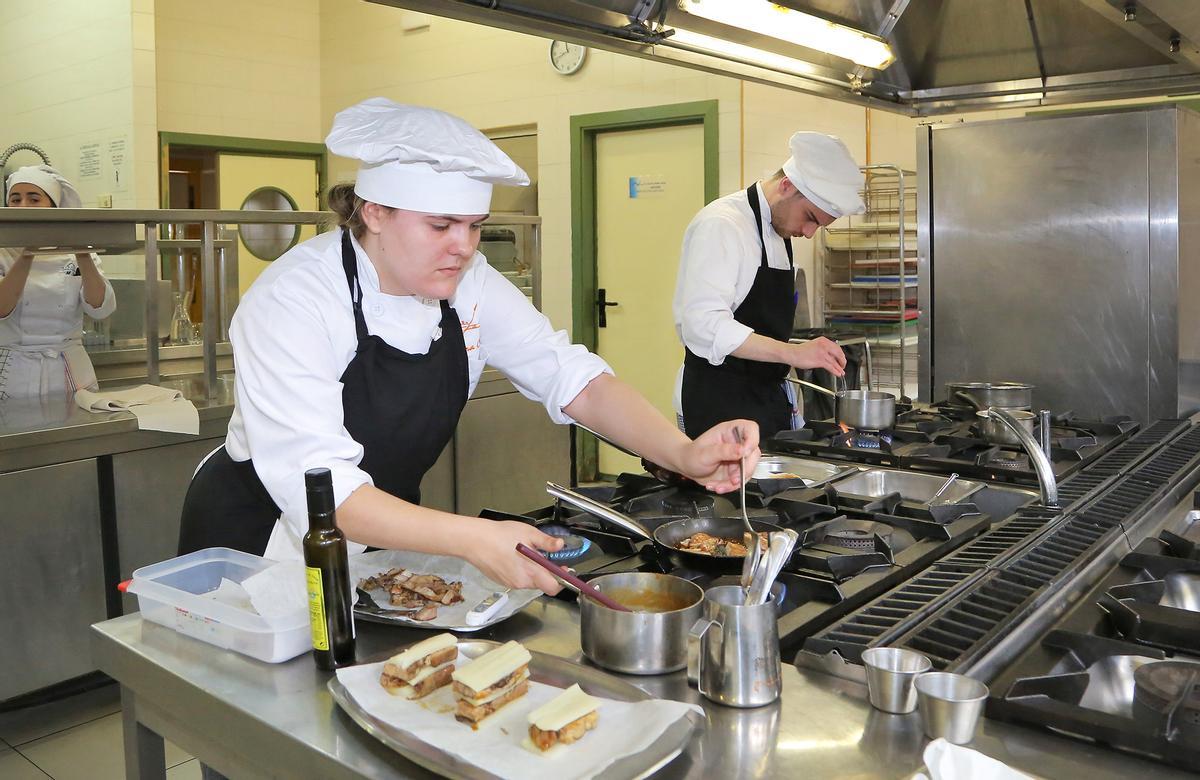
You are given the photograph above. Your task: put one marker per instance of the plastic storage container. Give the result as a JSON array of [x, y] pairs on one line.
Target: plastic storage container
[[172, 593]]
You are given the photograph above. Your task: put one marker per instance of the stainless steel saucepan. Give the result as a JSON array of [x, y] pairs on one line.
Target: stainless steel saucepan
[[986, 395], [995, 431], [860, 410]]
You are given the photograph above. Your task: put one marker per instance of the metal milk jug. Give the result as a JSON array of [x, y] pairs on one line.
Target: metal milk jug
[[733, 650]]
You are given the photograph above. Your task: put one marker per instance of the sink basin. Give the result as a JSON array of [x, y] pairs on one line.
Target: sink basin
[[813, 472], [920, 488]]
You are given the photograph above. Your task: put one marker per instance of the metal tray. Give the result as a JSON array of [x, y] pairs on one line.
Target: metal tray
[[543, 668], [813, 472], [877, 483]]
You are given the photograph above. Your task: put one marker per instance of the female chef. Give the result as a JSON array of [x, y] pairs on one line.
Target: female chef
[[358, 349], [43, 299]]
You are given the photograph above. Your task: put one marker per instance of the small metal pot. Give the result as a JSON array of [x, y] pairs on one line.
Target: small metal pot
[[998, 433], [640, 642], [859, 410], [984, 395], [866, 410]]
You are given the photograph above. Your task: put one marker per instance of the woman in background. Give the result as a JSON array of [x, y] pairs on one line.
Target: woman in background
[[43, 299]]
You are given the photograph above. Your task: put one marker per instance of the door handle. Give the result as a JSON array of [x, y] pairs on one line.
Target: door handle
[[602, 305]]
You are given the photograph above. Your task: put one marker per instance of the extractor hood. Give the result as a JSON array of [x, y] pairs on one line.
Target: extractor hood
[[950, 55]]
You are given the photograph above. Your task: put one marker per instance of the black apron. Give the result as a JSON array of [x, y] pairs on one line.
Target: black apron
[[747, 389], [401, 408]]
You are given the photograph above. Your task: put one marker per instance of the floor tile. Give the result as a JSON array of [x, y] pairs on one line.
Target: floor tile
[[91, 751], [14, 766], [188, 770], [24, 725]]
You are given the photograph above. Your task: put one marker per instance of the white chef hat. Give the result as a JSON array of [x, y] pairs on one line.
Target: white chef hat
[[61, 191], [824, 172], [420, 159]]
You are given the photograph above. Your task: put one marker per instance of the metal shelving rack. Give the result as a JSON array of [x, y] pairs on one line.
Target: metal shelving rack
[[867, 276]]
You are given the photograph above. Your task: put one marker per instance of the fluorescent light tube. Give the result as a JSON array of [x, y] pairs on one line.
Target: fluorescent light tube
[[811, 32], [738, 51]]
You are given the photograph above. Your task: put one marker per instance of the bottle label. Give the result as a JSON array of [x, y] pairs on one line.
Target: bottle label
[[316, 609]]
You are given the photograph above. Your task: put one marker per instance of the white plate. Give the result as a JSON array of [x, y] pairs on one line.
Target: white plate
[[476, 587]]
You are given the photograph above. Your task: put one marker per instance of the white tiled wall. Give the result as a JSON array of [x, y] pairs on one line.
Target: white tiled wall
[[70, 76], [247, 68]]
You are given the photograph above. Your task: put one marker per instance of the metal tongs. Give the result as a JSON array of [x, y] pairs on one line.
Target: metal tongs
[[950, 481]]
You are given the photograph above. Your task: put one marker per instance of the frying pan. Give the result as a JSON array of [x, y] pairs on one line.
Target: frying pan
[[667, 536]]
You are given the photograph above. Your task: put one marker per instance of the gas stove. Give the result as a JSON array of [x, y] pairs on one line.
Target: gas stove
[[1122, 668], [851, 548], [944, 438]]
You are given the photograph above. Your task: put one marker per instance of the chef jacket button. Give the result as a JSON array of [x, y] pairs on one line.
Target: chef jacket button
[[376, 309]]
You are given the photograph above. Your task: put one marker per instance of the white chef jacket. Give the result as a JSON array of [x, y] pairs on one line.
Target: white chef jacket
[[293, 336], [41, 348], [717, 265]]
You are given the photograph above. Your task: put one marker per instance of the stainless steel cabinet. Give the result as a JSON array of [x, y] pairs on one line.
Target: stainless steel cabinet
[[148, 489], [506, 449], [53, 574]]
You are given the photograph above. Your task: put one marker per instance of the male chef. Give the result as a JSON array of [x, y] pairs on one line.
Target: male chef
[[735, 296]]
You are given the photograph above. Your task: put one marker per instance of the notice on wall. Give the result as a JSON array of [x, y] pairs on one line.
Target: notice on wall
[[116, 163], [89, 161], [641, 186]]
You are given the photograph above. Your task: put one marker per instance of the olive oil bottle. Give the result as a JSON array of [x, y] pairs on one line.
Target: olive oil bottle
[[330, 598]]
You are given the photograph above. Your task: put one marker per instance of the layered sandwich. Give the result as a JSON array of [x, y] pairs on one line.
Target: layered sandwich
[[490, 681], [421, 669], [563, 719]]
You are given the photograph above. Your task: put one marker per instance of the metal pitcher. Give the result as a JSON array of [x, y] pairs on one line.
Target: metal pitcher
[[733, 650]]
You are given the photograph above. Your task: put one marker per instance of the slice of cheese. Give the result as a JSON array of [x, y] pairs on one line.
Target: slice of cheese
[[423, 648], [496, 694], [491, 667], [570, 705]]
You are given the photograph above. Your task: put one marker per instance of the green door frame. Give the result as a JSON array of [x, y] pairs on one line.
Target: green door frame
[[584, 129], [235, 145]]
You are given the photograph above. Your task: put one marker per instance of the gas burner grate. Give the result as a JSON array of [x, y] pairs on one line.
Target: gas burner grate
[[864, 440], [858, 535], [1168, 693], [698, 505]]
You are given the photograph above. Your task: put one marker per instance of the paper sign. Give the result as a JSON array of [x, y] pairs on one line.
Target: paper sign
[[89, 161], [116, 163], [647, 185]]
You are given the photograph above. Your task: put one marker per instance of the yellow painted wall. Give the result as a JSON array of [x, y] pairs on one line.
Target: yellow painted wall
[[248, 68], [495, 78]]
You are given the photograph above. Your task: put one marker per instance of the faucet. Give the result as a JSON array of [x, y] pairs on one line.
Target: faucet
[[1041, 460], [10, 151]]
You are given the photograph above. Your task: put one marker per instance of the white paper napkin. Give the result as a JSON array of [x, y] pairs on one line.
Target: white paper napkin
[[623, 728], [156, 408], [947, 761], [279, 593]]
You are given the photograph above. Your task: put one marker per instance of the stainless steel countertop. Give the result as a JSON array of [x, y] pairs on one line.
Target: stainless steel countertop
[[251, 719], [29, 422]]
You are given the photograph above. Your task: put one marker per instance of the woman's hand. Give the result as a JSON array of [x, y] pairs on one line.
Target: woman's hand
[[713, 458], [492, 548]]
